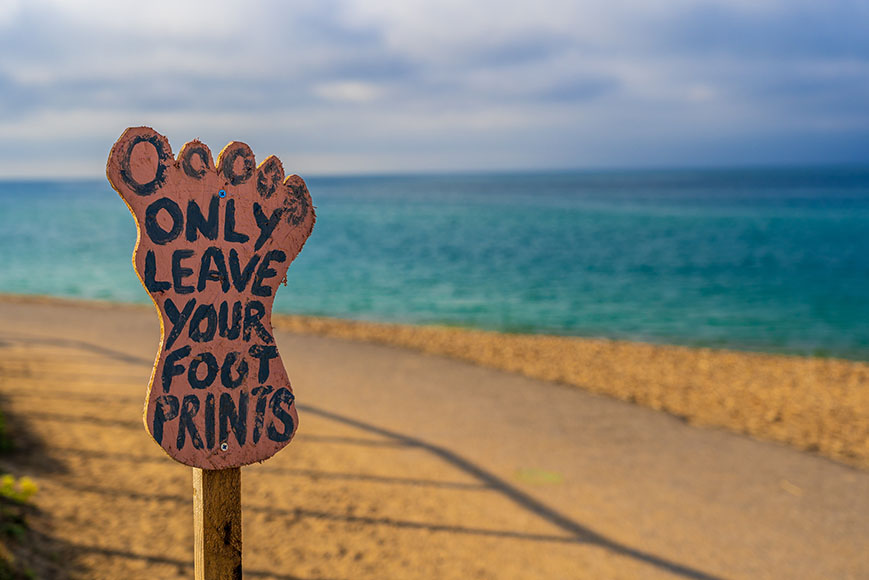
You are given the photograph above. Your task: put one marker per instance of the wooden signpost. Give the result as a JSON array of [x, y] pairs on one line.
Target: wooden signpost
[[215, 241]]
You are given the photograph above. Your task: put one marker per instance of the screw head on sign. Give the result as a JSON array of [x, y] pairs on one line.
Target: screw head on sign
[[224, 446], [222, 193]]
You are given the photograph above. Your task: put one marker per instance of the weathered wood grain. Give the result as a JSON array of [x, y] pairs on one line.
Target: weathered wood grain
[[217, 524]]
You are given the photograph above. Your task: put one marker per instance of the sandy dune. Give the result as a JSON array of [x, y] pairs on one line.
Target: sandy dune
[[413, 466]]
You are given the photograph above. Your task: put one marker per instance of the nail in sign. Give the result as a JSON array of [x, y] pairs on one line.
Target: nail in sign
[[214, 243]]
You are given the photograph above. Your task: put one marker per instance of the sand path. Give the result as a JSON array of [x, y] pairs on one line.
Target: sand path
[[414, 466]]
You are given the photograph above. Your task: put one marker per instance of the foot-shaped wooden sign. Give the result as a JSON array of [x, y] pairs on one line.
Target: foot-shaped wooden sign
[[214, 243]]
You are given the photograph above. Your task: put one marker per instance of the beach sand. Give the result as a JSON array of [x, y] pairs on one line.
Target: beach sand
[[814, 404], [409, 465]]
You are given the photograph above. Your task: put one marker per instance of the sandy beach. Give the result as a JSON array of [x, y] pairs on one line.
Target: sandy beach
[[814, 404], [412, 463]]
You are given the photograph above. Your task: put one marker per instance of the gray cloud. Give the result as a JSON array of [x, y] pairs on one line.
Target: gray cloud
[[350, 85]]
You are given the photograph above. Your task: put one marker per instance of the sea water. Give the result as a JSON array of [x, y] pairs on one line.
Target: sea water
[[763, 259]]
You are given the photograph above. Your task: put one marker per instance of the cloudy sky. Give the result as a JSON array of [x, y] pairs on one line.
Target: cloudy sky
[[349, 86]]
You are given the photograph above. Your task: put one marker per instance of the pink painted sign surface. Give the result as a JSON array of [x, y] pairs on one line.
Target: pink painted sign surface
[[215, 241]]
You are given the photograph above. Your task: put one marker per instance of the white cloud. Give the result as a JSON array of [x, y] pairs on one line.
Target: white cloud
[[155, 18], [445, 83], [351, 91], [9, 10]]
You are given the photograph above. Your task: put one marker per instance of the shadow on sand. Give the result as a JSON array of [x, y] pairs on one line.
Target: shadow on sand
[[574, 532]]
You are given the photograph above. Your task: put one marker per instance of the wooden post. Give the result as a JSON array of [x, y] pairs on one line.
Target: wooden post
[[217, 524]]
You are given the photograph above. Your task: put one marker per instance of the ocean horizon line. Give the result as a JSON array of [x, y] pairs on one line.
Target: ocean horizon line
[[531, 172]]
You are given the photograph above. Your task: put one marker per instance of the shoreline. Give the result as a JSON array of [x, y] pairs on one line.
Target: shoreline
[[810, 403], [787, 352]]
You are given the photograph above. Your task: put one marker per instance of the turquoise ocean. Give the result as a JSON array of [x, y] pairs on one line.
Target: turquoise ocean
[[773, 260]]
